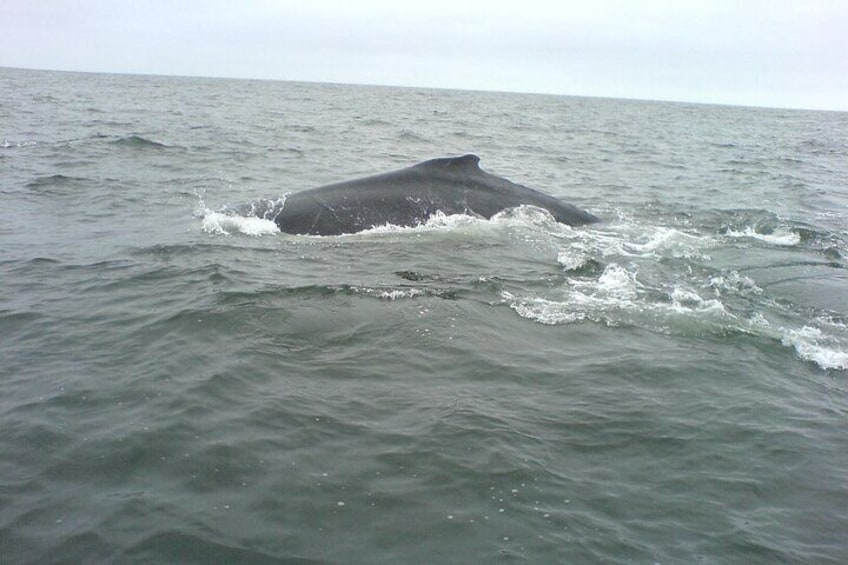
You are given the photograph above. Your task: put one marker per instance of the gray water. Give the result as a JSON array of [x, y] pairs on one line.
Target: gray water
[[180, 382]]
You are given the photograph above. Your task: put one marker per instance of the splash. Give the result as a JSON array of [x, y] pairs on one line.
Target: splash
[[221, 223], [254, 219]]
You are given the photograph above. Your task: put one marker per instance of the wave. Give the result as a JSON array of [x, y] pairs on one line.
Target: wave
[[764, 227], [175, 544], [389, 293], [780, 236], [141, 143], [6, 144], [407, 136], [812, 344], [51, 183], [374, 122], [402, 292]]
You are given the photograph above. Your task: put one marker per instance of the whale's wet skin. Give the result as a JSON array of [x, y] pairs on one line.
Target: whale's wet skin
[[410, 196]]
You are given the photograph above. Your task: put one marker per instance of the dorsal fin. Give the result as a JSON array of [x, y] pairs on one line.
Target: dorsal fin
[[469, 161]]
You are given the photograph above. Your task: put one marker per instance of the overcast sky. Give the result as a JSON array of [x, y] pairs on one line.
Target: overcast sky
[[784, 53]]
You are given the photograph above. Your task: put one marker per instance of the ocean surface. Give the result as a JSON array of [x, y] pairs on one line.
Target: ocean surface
[[182, 383]]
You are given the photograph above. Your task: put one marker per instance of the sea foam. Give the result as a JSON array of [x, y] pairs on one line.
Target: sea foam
[[228, 224]]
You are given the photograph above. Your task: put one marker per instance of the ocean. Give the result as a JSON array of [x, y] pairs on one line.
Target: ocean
[[182, 383]]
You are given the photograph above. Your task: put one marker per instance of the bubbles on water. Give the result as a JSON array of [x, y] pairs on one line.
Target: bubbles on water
[[780, 236], [663, 279]]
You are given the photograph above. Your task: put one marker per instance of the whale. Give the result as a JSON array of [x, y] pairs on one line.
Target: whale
[[409, 197]]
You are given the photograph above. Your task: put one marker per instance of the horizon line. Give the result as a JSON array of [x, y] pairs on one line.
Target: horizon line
[[425, 87]]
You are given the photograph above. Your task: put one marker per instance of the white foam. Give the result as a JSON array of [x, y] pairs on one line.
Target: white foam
[[632, 240], [618, 283], [658, 239], [528, 215], [5, 144], [781, 236], [811, 344], [830, 321], [680, 300], [733, 281], [687, 301], [615, 297], [227, 224], [438, 221], [523, 216], [399, 294], [390, 294], [544, 311], [572, 259], [615, 290], [757, 320]]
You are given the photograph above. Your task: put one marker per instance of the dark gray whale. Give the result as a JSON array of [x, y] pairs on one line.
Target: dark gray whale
[[408, 197]]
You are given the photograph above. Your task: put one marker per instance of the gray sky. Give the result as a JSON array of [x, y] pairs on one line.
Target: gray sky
[[784, 53]]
